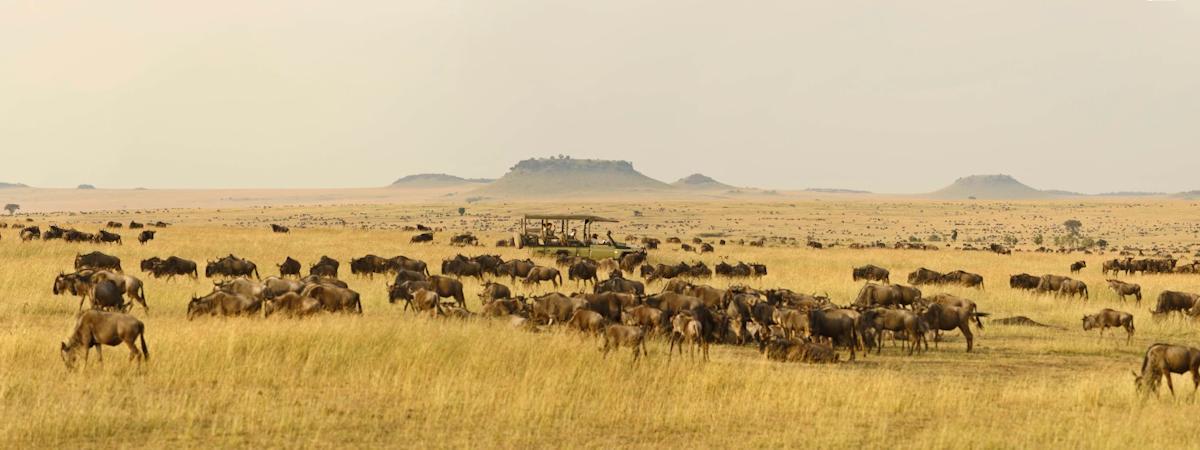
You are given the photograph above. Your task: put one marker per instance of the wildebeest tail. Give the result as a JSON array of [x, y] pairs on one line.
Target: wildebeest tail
[[976, 315], [145, 351], [256, 272]]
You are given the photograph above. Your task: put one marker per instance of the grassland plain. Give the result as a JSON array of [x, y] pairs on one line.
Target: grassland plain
[[390, 379]]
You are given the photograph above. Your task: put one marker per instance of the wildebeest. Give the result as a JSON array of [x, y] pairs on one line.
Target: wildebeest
[[945, 318], [423, 237], [630, 261], [106, 237], [688, 330], [1162, 360], [97, 260], [99, 328], [224, 304], [335, 298], [1024, 281], [896, 321], [107, 295], [872, 273], [326, 267], [504, 307], [1071, 288], [620, 284], [146, 236], [1077, 266], [584, 271], [30, 233], [1123, 289], [797, 350], [924, 276], [515, 268], [462, 266], [894, 295], [464, 239], [405, 263], [1051, 283], [171, 267], [128, 284], [273, 287], [444, 287], [1110, 318], [289, 267], [133, 225], [963, 278], [1113, 265], [840, 326], [231, 266], [1173, 301], [587, 321], [241, 286], [291, 304], [276, 228], [617, 336], [541, 273], [554, 307]]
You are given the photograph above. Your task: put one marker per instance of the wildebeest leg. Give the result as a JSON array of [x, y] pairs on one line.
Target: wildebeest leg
[[81, 299], [1167, 373], [966, 330], [133, 351]]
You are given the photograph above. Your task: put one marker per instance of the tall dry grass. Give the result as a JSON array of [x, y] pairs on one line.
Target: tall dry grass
[[390, 379]]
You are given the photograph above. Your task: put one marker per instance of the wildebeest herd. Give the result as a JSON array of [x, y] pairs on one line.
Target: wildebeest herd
[[784, 325]]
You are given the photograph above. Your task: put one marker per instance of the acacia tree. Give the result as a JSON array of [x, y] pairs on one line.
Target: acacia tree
[[1073, 226], [12, 208]]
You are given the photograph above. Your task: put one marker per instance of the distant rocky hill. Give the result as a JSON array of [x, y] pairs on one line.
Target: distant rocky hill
[[835, 191], [433, 180], [548, 177], [701, 182], [11, 185], [992, 187]]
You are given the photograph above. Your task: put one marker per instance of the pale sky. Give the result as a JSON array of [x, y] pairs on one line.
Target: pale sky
[[884, 96]]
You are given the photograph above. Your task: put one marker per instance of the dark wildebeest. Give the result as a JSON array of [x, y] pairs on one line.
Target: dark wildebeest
[[448, 288], [1173, 301], [945, 318], [489, 263], [272, 287], [173, 266], [313, 279], [726, 270], [1077, 266], [630, 261], [887, 295], [587, 321], [291, 304], [423, 237], [464, 239], [99, 328], [516, 268], [797, 350], [1024, 281], [839, 325], [554, 307], [494, 291], [276, 228], [1113, 266], [896, 321], [289, 267], [222, 303], [231, 266], [617, 336], [403, 275], [460, 267], [31, 233], [148, 265], [1123, 289], [503, 307], [146, 236], [1107, 318], [405, 263], [620, 284], [924, 276], [326, 267], [1071, 288], [369, 265], [107, 295], [584, 271], [98, 261], [111, 238], [1161, 361], [963, 278], [334, 298], [648, 318], [1051, 283], [871, 273], [133, 225], [128, 284], [542, 273]]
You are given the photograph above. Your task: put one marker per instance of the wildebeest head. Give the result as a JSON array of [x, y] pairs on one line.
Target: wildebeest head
[[1092, 321], [69, 353], [198, 306]]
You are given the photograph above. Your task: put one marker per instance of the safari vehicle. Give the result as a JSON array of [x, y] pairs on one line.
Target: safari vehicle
[[562, 234]]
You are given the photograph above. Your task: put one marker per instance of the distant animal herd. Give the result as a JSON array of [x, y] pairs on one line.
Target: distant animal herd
[[784, 325]]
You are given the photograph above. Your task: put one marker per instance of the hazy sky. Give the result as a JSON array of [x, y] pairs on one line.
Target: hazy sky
[[887, 96]]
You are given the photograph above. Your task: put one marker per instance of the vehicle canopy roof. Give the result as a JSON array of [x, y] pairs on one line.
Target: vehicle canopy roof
[[584, 217]]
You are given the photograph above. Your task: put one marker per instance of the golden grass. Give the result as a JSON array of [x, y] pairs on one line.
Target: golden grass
[[389, 379]]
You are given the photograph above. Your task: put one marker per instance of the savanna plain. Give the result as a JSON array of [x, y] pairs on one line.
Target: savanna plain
[[389, 378]]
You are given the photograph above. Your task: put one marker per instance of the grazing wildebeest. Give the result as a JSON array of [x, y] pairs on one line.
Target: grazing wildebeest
[[797, 350], [326, 267], [1110, 318], [448, 288], [402, 262], [840, 326], [1123, 289], [516, 268], [173, 266], [1161, 361], [554, 307], [541, 273], [241, 286], [289, 267], [494, 291], [334, 298], [146, 236], [369, 265], [231, 266], [963, 278], [587, 321], [646, 317], [871, 273], [620, 284], [99, 328], [222, 303], [945, 318], [313, 279], [617, 336], [504, 307], [894, 295], [423, 237], [1024, 281], [148, 265], [291, 304], [727, 270], [276, 228], [460, 267], [106, 237], [272, 287], [584, 271], [924, 276], [1077, 266], [706, 248], [133, 225], [896, 321], [1071, 288], [30, 233], [1172, 301], [98, 261], [464, 239]]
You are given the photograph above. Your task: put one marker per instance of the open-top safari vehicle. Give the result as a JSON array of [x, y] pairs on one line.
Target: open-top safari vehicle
[[561, 234]]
